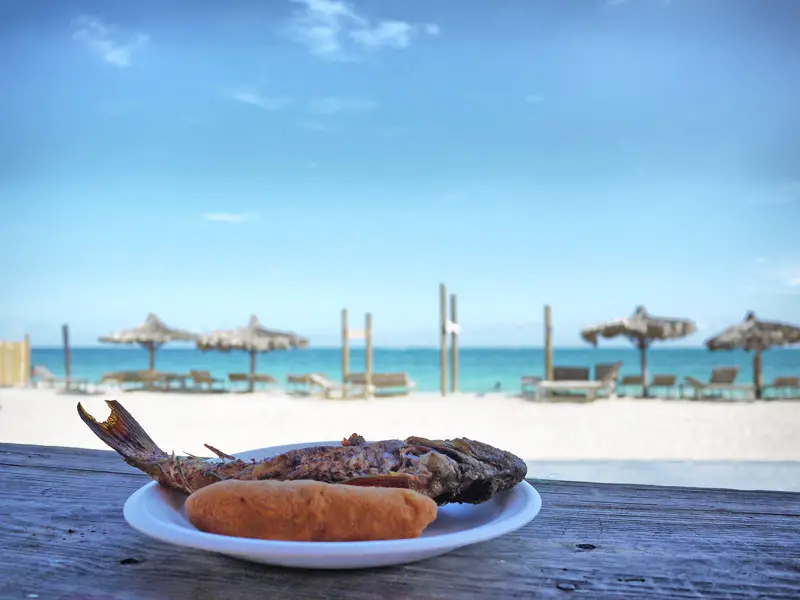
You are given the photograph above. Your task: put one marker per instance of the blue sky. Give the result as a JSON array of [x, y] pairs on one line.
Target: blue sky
[[209, 160]]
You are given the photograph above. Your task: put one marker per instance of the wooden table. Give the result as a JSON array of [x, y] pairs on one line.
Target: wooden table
[[63, 536]]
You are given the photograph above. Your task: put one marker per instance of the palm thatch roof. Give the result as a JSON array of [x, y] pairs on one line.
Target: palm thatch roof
[[151, 333], [641, 327], [755, 334], [251, 338]]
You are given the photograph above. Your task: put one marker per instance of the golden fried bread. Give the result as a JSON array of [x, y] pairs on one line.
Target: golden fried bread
[[309, 511]]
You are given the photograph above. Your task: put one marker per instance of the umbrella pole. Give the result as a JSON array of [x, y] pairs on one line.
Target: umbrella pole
[[757, 372], [252, 370], [152, 351], [643, 360]]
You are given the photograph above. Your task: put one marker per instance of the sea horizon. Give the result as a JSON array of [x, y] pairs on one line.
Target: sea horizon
[[481, 369]]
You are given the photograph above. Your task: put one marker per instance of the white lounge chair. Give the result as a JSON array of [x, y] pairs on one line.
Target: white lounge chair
[[722, 380], [789, 385], [333, 389], [385, 384], [45, 378], [566, 379]]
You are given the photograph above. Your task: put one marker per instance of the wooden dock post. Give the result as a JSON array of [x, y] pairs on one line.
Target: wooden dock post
[[548, 343], [345, 352], [443, 338], [349, 334], [453, 344], [67, 354], [368, 351]]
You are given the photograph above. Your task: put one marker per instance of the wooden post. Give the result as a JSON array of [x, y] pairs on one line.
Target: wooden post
[[67, 355], [368, 352], [443, 338], [27, 366], [548, 343], [453, 345], [252, 385], [757, 372], [643, 362], [345, 352], [151, 349]]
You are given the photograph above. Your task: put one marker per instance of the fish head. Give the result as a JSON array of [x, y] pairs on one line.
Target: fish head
[[482, 470]]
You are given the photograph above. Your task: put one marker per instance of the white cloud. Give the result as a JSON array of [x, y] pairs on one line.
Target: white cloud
[[534, 98], [113, 46], [333, 105], [253, 98], [229, 217], [333, 29], [793, 282], [394, 34], [780, 194]]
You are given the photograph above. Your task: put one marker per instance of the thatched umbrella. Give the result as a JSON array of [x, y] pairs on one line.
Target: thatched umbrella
[[253, 339], [151, 334], [642, 329], [755, 335]]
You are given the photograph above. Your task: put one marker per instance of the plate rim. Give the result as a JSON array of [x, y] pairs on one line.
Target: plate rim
[[134, 512]]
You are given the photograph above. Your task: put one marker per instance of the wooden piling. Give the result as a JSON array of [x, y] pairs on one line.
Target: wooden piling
[[67, 353], [368, 351], [345, 352], [443, 338], [548, 343], [454, 344]]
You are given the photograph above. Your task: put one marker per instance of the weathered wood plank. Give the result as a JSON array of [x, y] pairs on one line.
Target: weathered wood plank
[[63, 536]]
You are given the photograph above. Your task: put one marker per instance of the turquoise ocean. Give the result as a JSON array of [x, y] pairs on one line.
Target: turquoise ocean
[[480, 369]]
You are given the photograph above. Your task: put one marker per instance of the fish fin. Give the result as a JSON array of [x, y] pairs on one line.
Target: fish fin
[[123, 433], [392, 480], [219, 453], [354, 440]]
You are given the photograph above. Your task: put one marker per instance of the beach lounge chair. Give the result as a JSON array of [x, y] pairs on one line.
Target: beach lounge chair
[[789, 385], [120, 378], [667, 383], [140, 379], [607, 374], [203, 379], [44, 377], [235, 378], [385, 384], [631, 381], [302, 381], [333, 389], [570, 379], [528, 385], [722, 380]]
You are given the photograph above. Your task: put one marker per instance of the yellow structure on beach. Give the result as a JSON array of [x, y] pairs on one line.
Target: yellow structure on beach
[[15, 362]]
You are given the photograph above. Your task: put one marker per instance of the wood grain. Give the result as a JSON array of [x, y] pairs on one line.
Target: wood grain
[[63, 536]]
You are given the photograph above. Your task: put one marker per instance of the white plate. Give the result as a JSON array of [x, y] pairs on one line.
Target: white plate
[[159, 513]]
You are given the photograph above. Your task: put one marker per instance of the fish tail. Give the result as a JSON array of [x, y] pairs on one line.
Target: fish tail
[[123, 433]]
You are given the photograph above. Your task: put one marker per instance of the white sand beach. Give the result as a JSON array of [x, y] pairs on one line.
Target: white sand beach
[[744, 445], [615, 429]]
